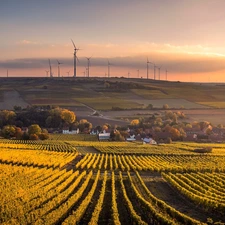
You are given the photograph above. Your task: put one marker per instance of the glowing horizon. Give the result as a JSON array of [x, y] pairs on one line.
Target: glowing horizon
[[181, 36]]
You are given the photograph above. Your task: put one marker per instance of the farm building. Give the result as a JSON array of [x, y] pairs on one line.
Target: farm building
[[131, 138], [67, 131], [103, 136], [149, 141]]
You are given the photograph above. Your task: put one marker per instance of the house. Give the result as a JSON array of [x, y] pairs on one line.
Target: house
[[94, 132], [150, 141], [103, 136], [131, 138], [67, 131]]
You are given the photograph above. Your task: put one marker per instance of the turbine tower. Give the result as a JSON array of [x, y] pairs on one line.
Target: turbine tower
[[68, 73], [159, 71], [109, 64], [47, 72], [147, 67], [166, 73], [59, 68], [128, 75], [88, 66], [75, 59], [50, 68], [138, 73], [7, 73], [154, 71]]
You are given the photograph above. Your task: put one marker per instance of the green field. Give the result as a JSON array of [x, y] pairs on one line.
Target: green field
[[75, 179], [114, 92]]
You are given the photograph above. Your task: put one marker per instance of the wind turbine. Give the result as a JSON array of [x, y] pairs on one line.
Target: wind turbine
[[75, 59], [68, 73], [7, 73], [50, 68], [47, 72], [128, 74], [166, 73], [147, 66], [59, 63], [159, 71], [109, 64], [88, 65], [138, 73], [154, 71]]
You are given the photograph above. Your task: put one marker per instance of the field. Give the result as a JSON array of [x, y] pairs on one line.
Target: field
[[74, 179], [115, 97]]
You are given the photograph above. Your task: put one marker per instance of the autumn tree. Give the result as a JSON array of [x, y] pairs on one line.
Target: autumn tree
[[175, 134], [34, 129], [7, 117], [8, 131], [165, 106], [54, 119], [134, 122], [68, 116], [84, 125]]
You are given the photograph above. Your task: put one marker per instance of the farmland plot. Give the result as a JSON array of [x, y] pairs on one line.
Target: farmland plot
[[45, 187]]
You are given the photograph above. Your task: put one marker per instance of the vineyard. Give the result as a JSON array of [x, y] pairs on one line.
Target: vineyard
[[88, 182]]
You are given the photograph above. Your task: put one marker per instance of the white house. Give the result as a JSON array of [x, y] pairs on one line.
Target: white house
[[131, 138], [67, 131], [103, 136], [149, 141]]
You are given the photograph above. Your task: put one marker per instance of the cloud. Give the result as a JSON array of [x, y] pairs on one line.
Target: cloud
[[106, 45], [28, 42], [183, 59]]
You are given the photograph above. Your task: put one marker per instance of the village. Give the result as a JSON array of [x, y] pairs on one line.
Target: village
[[158, 129]]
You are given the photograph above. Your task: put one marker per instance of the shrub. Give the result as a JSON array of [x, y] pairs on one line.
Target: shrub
[[33, 137], [203, 150]]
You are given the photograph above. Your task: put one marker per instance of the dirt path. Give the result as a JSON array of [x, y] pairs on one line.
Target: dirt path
[[162, 190], [12, 98]]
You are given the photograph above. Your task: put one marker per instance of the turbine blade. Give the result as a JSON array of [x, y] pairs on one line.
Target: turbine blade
[[73, 44]]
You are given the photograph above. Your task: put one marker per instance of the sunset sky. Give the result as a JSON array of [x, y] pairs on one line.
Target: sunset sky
[[186, 37]]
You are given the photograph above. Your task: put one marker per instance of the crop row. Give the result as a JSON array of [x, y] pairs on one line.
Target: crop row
[[156, 163], [60, 197], [199, 189]]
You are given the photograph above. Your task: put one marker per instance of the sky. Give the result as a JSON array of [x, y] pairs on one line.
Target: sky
[[184, 37]]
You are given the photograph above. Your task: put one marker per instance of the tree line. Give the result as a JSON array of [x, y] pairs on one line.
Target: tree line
[[34, 122]]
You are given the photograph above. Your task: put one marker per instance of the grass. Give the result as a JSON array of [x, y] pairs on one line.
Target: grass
[[93, 92], [219, 105], [150, 94], [106, 103]]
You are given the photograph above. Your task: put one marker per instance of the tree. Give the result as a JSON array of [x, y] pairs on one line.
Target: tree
[[175, 134], [150, 106], [34, 129], [68, 116], [220, 126], [165, 106], [7, 117], [175, 118], [8, 131], [43, 136], [134, 122], [33, 137], [18, 133], [105, 127], [188, 125], [118, 136]]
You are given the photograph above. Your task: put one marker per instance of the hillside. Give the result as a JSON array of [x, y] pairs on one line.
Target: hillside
[[104, 93], [85, 96]]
